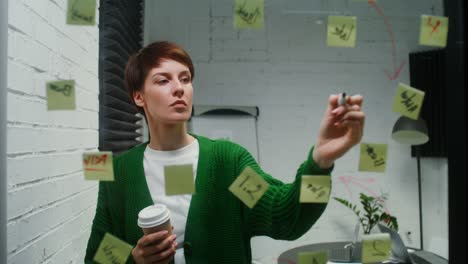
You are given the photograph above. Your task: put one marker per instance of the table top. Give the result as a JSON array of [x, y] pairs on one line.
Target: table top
[[290, 255]]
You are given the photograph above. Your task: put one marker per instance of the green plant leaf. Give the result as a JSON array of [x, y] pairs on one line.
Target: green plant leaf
[[373, 211], [348, 204]]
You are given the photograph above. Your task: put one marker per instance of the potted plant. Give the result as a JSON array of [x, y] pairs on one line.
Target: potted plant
[[373, 212]]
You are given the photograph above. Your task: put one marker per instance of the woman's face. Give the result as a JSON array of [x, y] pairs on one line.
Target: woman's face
[[167, 93]]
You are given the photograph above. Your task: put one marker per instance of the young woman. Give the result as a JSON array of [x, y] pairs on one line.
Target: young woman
[[213, 225]]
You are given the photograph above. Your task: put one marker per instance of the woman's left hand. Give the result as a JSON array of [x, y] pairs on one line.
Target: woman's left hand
[[341, 128]]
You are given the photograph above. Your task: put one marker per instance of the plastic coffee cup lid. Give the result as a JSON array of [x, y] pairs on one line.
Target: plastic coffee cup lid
[[153, 215]]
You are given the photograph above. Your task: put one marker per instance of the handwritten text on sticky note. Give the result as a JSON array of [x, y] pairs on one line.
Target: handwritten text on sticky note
[[249, 187], [341, 31], [81, 12], [376, 247], [312, 257], [248, 14], [61, 95], [112, 251], [408, 101], [373, 157], [315, 189], [98, 166], [179, 179], [434, 30]]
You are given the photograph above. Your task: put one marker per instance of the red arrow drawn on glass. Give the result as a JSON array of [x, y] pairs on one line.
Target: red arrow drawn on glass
[[361, 183], [396, 70]]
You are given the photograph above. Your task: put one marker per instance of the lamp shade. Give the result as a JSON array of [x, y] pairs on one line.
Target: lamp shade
[[410, 131]]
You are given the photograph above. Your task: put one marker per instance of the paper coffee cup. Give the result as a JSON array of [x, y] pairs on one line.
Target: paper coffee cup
[[155, 218]]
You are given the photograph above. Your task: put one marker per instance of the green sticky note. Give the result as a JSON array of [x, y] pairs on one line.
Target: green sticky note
[[376, 247], [434, 30], [248, 14], [81, 12], [408, 101], [373, 157], [112, 251], [61, 95], [341, 31], [315, 189], [98, 166], [312, 257], [249, 187], [179, 179]]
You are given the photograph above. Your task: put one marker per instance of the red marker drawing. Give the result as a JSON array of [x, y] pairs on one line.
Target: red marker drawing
[[95, 160], [361, 183], [434, 28], [94, 169], [396, 70]]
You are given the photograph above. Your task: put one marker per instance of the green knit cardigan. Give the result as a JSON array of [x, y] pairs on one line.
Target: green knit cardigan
[[219, 226]]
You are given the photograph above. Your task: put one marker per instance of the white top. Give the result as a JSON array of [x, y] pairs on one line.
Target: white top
[[153, 163], [153, 215]]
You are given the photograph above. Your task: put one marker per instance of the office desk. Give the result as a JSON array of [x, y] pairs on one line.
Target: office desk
[[290, 256]]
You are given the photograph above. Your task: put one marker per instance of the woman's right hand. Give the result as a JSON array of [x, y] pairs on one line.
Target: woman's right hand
[[155, 248]]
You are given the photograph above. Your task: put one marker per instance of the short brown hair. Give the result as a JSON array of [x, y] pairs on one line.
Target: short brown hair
[[149, 57]]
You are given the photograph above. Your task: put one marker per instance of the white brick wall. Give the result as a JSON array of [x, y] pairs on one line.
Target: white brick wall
[[287, 70], [50, 205]]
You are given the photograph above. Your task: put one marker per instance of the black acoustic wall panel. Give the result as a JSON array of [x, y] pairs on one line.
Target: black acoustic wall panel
[[455, 10], [427, 73], [120, 35]]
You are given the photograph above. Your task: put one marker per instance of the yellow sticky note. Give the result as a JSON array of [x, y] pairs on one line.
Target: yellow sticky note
[[112, 251], [408, 101], [248, 14], [81, 12], [61, 95], [98, 166], [341, 31], [434, 30], [312, 257], [376, 247], [315, 189], [179, 179], [249, 187], [373, 157]]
